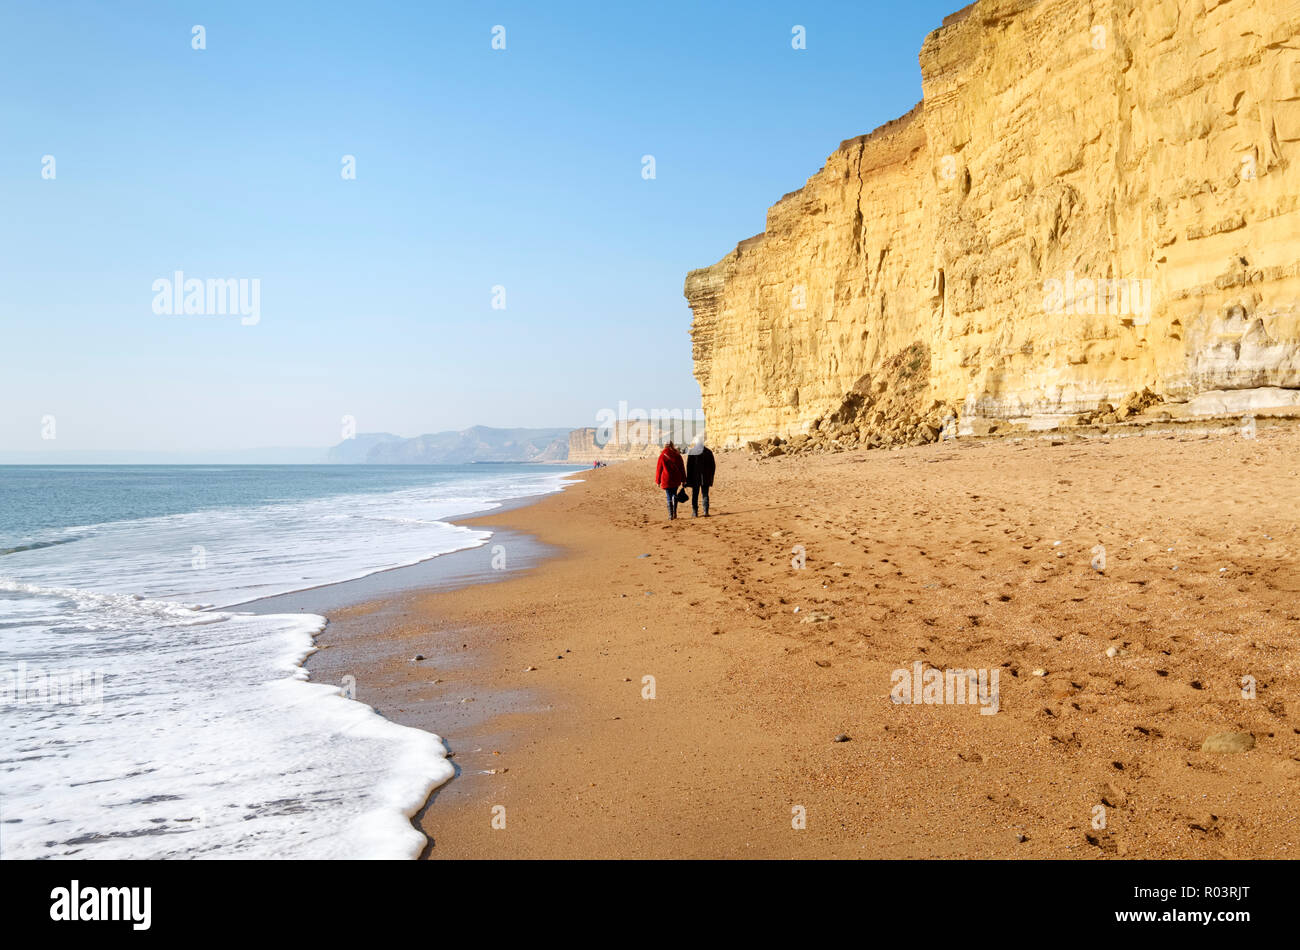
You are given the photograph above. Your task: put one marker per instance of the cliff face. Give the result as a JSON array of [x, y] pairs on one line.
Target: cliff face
[[1091, 199], [584, 448]]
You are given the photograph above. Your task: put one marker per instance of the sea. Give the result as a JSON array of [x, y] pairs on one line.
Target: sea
[[143, 714]]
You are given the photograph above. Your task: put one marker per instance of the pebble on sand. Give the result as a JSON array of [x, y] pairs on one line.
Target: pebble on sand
[[1224, 742], [417, 657], [841, 738]]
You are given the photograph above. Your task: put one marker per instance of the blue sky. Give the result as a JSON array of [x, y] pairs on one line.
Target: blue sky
[[475, 168]]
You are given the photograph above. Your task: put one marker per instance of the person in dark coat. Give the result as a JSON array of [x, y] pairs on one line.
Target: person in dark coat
[[670, 475], [699, 474]]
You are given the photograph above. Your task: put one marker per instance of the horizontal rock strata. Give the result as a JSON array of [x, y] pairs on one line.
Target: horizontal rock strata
[[1091, 201]]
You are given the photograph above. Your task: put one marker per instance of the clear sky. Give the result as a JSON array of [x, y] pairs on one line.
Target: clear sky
[[475, 168]]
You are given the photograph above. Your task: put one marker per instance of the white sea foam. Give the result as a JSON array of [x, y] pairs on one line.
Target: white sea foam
[[208, 740], [233, 555]]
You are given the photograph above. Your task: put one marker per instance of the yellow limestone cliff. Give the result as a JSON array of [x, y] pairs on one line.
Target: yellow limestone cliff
[[1091, 201]]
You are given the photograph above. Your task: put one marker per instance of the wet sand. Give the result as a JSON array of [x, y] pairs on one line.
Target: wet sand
[[946, 555]]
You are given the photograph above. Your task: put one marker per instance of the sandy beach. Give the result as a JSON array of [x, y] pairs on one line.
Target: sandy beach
[[771, 731]]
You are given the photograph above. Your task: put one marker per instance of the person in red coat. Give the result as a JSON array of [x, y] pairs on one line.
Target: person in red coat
[[670, 475]]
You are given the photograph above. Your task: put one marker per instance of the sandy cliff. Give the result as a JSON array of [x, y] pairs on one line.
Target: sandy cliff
[[1091, 200], [629, 440]]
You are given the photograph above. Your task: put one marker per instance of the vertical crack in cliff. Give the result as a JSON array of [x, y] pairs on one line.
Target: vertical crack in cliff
[[858, 219]]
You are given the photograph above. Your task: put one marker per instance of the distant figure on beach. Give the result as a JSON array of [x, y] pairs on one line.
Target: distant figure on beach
[[699, 474], [670, 475]]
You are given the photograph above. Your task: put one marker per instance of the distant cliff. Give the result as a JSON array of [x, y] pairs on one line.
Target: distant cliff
[[630, 440], [475, 444], [1091, 200]]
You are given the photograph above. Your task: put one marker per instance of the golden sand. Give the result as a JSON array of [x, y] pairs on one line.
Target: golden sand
[[967, 556]]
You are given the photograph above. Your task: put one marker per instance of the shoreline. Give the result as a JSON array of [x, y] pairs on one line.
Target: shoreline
[[378, 594], [445, 571], [364, 623], [927, 554], [484, 562]]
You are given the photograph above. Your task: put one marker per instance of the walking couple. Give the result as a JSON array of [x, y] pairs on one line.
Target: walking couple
[[697, 473]]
